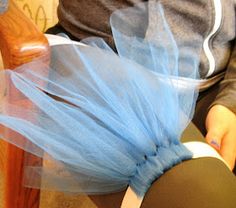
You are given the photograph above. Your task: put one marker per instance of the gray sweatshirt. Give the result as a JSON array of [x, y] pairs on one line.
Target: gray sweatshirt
[[210, 20]]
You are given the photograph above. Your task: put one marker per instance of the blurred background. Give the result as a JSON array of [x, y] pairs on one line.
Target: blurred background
[[41, 12]]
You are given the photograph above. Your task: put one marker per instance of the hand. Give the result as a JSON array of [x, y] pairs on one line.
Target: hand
[[221, 132]]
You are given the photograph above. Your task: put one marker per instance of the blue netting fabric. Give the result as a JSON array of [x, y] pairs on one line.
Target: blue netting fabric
[[101, 120]]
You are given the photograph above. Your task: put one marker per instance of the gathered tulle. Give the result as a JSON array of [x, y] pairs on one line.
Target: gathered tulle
[[102, 121]]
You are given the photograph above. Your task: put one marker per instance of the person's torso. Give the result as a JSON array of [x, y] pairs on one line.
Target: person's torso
[[210, 20]]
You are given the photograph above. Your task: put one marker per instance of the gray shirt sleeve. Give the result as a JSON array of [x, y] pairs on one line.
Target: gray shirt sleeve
[[227, 93]]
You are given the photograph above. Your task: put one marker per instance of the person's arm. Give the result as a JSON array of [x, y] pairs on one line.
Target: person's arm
[[221, 118]]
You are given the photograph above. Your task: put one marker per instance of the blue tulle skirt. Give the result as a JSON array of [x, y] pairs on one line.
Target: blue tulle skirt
[[103, 120]]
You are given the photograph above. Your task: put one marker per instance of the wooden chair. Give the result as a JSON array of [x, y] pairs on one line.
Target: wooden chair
[[20, 42]]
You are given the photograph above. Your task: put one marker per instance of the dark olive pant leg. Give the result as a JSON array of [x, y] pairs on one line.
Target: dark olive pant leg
[[56, 29], [198, 183]]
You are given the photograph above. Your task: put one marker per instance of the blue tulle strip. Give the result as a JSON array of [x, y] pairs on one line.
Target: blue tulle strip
[[100, 120]]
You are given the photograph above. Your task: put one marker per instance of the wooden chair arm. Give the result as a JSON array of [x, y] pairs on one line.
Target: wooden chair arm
[[20, 40]]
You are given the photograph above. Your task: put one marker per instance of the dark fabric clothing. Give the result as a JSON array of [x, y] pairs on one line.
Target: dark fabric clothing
[[59, 29], [85, 18], [189, 21], [204, 101], [204, 182], [227, 91]]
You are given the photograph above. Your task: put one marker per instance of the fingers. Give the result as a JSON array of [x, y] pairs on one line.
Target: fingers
[[225, 144], [228, 149], [221, 132]]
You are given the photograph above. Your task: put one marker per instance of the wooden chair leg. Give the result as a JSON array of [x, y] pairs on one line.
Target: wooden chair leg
[[16, 195]]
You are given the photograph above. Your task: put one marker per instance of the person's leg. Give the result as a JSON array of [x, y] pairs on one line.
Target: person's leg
[[56, 29], [204, 183], [108, 200]]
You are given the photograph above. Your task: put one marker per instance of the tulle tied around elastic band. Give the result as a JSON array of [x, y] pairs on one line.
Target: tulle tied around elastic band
[[102, 121]]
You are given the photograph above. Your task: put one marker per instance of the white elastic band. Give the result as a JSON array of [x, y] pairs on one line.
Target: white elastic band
[[59, 40], [199, 150]]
